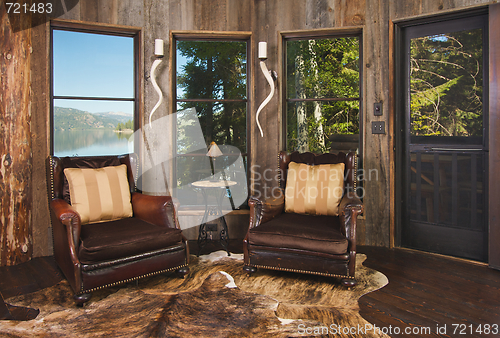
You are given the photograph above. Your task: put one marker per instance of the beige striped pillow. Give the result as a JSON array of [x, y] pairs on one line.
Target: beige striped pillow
[[100, 195], [314, 190]]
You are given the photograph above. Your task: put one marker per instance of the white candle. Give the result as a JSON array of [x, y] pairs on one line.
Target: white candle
[[158, 47], [262, 50]]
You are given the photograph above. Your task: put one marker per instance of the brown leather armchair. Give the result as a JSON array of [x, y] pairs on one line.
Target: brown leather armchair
[[97, 255], [321, 245]]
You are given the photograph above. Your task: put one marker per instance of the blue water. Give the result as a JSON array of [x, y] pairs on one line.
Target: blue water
[[91, 143]]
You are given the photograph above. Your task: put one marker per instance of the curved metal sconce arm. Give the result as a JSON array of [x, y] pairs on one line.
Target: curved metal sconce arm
[[267, 75], [156, 87]]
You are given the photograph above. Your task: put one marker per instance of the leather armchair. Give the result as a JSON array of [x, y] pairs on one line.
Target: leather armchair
[[320, 245], [97, 255]]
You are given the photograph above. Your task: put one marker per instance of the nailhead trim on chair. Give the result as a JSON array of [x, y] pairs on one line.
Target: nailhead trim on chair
[[300, 271], [279, 170], [136, 172], [132, 279], [51, 165], [51, 160], [355, 183]]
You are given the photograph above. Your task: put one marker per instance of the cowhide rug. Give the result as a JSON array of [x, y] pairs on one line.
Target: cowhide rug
[[217, 299]]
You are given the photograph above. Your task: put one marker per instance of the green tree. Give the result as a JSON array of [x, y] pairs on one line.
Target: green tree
[[129, 125], [446, 77], [318, 70], [215, 71]]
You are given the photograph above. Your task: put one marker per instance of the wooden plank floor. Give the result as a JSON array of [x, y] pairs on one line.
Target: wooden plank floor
[[34, 275], [431, 291], [424, 290]]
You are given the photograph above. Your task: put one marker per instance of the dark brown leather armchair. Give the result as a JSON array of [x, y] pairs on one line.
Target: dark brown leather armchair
[[322, 245], [97, 255]]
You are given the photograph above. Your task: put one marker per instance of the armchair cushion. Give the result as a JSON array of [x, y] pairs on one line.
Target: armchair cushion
[[100, 195], [302, 232], [124, 238], [314, 189]]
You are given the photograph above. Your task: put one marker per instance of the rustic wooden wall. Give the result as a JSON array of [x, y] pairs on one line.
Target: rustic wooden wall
[[23, 184], [15, 144]]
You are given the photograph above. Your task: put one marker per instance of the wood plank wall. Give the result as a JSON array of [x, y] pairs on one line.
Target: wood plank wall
[[26, 201]]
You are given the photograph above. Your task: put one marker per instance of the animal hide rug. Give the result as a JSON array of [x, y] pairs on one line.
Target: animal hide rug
[[216, 299]]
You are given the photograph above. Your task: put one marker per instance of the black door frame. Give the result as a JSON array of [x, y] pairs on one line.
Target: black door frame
[[401, 100]]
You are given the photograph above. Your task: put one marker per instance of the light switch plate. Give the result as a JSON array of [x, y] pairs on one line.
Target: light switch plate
[[377, 109]]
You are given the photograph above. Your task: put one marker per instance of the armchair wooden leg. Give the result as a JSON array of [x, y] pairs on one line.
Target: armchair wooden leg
[[348, 282], [182, 272], [82, 299], [249, 269]]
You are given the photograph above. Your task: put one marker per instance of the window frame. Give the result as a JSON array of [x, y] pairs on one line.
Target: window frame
[[318, 34], [453, 24], [112, 30], [243, 36]]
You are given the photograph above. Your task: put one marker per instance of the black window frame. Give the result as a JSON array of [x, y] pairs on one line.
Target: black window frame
[[315, 35], [114, 30], [453, 24], [215, 37]]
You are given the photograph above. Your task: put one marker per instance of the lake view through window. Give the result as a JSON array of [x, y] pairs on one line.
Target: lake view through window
[[93, 88]]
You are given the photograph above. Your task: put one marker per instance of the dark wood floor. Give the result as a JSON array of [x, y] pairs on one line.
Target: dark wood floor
[[424, 291], [430, 291]]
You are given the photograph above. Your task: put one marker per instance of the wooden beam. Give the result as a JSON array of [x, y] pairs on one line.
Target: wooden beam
[[15, 144], [494, 137]]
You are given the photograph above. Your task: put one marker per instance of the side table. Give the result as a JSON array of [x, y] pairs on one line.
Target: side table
[[216, 189]]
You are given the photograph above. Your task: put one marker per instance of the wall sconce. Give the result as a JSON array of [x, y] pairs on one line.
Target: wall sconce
[[269, 78], [159, 55]]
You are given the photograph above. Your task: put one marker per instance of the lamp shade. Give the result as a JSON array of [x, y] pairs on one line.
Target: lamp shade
[[214, 150]]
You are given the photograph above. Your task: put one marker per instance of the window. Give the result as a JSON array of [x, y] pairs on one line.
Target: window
[[211, 94], [446, 83], [322, 92], [94, 92]]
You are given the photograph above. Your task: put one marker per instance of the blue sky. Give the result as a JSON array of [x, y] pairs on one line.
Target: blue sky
[[93, 65]]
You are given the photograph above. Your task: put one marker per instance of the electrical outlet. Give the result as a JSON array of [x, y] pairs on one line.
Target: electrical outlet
[[378, 127], [211, 227], [377, 109]]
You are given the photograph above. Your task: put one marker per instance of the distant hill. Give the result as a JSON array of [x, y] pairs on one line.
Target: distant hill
[[70, 118]]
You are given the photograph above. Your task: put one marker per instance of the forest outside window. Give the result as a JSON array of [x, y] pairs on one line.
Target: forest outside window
[[211, 91], [94, 91], [322, 92], [446, 86]]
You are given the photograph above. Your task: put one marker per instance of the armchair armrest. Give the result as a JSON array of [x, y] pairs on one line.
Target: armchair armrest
[[262, 211], [66, 224], [158, 210], [67, 215], [349, 209]]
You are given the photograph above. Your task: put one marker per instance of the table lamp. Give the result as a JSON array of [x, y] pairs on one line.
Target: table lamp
[[214, 152]]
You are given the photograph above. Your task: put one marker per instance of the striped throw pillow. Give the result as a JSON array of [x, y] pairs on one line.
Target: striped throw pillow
[[100, 195], [314, 190]]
